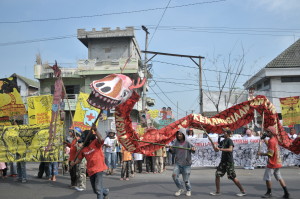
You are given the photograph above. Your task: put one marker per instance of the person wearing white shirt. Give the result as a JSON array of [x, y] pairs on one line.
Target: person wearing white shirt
[[110, 144], [292, 134], [248, 164]]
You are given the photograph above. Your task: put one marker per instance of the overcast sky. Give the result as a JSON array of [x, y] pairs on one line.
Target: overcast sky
[[210, 28]]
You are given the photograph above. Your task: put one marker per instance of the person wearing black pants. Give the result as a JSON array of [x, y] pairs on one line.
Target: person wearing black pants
[[44, 167]]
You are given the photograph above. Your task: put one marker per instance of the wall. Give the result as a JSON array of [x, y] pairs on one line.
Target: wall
[[281, 90], [109, 49]]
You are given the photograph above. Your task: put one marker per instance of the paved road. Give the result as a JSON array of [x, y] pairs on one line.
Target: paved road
[[149, 186]]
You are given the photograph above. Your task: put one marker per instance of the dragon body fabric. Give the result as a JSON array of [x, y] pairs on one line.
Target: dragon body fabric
[[234, 117]]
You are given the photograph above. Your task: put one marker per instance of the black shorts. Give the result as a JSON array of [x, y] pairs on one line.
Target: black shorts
[[226, 167]]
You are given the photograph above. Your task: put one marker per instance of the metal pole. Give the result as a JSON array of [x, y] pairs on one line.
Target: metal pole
[[200, 87], [145, 70]]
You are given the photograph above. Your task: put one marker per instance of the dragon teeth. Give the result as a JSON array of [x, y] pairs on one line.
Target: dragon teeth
[[97, 95]]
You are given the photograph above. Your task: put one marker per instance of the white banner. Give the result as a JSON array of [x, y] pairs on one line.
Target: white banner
[[244, 153]]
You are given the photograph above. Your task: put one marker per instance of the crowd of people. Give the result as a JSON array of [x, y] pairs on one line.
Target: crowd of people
[[90, 154]]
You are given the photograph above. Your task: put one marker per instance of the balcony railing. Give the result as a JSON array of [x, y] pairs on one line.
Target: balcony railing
[[72, 100]]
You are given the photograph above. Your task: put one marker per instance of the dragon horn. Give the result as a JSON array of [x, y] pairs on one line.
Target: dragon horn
[[138, 85]]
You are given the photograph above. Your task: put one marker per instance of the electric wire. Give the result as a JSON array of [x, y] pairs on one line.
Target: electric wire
[[161, 99], [159, 22], [37, 40], [167, 96], [109, 14]]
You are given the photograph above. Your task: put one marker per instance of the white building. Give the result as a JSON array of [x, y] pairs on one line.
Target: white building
[[280, 78]]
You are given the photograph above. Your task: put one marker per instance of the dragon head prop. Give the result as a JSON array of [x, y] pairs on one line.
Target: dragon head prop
[[112, 90]]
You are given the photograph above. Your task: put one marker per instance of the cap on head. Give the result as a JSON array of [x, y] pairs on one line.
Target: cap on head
[[78, 131], [227, 130], [271, 129], [110, 131]]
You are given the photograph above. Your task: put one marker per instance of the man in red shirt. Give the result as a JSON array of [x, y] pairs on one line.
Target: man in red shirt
[[75, 134], [93, 154], [274, 163]]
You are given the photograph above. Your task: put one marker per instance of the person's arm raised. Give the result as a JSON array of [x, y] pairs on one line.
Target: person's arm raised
[[99, 137]]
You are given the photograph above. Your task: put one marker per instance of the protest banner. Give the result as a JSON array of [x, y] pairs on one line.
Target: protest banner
[[39, 109], [290, 110], [11, 103], [244, 153], [28, 143], [85, 114]]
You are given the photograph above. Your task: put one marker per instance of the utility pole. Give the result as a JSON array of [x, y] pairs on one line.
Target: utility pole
[[200, 87], [145, 69], [192, 58]]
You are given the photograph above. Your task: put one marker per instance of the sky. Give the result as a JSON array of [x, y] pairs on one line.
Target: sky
[[222, 31]]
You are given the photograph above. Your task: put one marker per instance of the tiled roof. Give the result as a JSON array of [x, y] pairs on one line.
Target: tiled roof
[[290, 58], [28, 81]]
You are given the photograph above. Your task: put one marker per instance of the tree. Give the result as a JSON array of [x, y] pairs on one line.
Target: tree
[[226, 80]]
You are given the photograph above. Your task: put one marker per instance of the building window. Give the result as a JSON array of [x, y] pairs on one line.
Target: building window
[[71, 90], [290, 79], [267, 83], [258, 86]]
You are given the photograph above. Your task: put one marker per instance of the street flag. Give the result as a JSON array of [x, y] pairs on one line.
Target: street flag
[[11, 103], [290, 110], [85, 114], [39, 109]]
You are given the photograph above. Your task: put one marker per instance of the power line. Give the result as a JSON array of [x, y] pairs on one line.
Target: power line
[[37, 40], [228, 30], [73, 36], [161, 99], [169, 82], [109, 14], [159, 21], [194, 80], [177, 91], [212, 70], [167, 96], [254, 29]]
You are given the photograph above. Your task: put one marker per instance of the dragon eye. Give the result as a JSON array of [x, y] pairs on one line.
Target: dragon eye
[[124, 93], [105, 89], [99, 84]]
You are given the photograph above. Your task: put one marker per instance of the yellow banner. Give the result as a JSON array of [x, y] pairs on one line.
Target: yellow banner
[[85, 114], [153, 113], [39, 109], [11, 103], [28, 143], [290, 110]]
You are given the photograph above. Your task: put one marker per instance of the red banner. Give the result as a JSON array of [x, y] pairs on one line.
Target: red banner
[[234, 118]]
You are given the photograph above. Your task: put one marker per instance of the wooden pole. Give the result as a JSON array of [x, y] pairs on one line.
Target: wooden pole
[[262, 131], [154, 143]]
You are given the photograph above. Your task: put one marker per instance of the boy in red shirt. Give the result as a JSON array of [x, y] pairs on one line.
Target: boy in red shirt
[[274, 163], [93, 154], [75, 134]]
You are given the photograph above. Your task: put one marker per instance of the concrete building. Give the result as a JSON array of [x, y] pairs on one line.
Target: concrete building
[[109, 51], [280, 78]]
